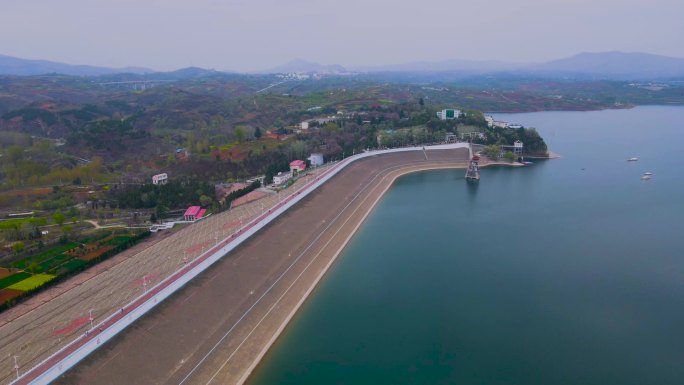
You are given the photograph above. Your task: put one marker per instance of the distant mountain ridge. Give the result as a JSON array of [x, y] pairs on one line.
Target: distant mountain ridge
[[470, 66], [26, 67], [605, 65], [622, 65]]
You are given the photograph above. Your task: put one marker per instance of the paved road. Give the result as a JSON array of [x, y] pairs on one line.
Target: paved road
[[214, 329]]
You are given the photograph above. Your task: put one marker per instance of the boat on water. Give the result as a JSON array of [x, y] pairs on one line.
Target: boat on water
[[648, 173], [633, 159], [645, 177]]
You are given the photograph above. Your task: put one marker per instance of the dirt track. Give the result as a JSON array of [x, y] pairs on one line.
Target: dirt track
[[219, 325]]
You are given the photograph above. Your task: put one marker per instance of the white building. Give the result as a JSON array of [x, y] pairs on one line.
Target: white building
[[448, 114], [517, 147], [499, 124], [304, 125], [489, 120], [316, 159], [160, 179], [282, 177]]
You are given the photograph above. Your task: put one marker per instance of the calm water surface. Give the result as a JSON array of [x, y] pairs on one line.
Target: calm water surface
[[567, 272]]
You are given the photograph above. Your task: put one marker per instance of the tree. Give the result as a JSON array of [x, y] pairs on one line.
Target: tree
[[509, 156], [33, 267], [257, 132], [421, 102], [18, 247], [205, 200], [298, 150], [240, 134], [58, 217], [492, 151], [14, 154], [161, 211]]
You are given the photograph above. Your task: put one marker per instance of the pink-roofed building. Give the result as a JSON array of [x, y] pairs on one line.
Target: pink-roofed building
[[298, 165], [193, 213]]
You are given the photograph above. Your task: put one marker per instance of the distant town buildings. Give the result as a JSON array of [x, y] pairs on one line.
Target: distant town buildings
[[160, 179], [194, 213], [316, 159], [297, 165], [304, 125], [448, 114], [282, 177]]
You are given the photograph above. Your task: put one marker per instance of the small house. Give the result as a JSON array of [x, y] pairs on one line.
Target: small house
[[194, 213], [316, 159], [297, 165], [282, 177], [160, 179]]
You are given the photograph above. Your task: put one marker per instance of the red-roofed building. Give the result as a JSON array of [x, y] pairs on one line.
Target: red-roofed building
[[298, 165], [193, 213]]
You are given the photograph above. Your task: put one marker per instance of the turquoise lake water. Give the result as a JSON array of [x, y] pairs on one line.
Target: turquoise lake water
[[569, 271]]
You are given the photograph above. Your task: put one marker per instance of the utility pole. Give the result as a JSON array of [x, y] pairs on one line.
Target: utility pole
[[90, 317]]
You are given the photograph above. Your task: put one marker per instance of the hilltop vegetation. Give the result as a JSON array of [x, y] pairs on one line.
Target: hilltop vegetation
[[99, 131], [76, 151]]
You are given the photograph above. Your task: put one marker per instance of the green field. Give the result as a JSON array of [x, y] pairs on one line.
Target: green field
[[118, 240], [73, 265], [52, 263], [12, 279], [32, 282], [16, 223], [44, 256]]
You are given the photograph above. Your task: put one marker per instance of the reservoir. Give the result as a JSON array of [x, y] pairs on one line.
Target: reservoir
[[568, 271]]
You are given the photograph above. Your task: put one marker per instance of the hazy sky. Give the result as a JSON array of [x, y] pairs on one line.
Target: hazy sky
[[258, 34]]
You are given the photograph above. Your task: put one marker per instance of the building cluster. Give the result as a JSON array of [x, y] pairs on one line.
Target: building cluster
[[297, 166]]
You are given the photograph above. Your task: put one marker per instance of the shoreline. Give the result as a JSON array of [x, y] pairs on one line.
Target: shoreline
[[281, 328]]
